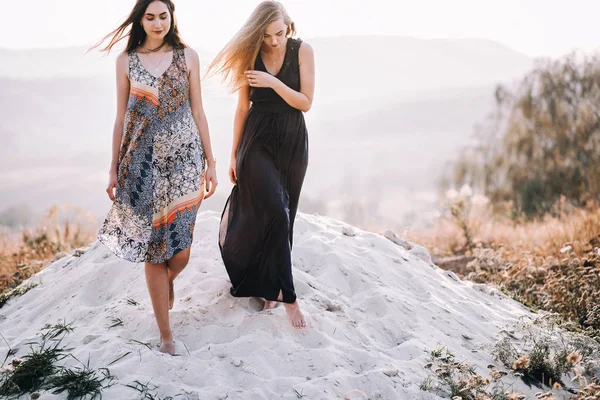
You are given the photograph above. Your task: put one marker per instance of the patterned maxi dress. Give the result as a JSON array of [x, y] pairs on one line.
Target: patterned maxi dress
[[161, 167], [257, 225]]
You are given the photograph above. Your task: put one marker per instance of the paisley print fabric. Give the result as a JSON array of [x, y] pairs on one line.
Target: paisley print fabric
[[161, 167]]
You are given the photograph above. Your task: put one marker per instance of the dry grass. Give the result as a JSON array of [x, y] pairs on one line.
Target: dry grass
[[578, 228], [551, 264], [22, 254]]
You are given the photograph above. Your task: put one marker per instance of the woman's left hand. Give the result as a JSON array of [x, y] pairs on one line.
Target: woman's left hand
[[261, 79], [211, 180]]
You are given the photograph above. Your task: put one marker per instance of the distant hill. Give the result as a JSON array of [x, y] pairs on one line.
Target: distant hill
[[371, 66], [62, 62], [347, 66]]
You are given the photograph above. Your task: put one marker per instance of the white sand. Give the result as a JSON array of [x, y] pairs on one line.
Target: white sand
[[375, 312]]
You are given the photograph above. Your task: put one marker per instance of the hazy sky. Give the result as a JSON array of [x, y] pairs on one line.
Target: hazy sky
[[534, 27]]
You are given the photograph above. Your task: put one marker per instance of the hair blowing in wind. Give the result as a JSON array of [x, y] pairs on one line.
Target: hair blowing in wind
[[241, 51], [134, 31]]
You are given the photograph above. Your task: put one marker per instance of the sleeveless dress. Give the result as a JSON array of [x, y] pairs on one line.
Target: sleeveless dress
[[257, 224], [161, 167]]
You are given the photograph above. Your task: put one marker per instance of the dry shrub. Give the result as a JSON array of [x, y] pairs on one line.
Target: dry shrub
[[464, 216], [456, 380]]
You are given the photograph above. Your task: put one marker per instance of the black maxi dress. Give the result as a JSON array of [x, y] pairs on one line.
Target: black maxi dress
[[257, 224]]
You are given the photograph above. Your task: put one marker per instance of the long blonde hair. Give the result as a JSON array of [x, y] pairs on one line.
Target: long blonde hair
[[241, 51]]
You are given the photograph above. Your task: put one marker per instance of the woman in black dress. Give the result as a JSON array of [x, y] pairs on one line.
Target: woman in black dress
[[273, 74]]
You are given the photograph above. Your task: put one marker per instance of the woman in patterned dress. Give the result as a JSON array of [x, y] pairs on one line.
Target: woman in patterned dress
[[274, 76], [161, 143]]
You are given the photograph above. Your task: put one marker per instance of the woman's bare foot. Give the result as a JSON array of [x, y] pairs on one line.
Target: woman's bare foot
[[171, 295], [295, 315], [269, 305], [167, 347]]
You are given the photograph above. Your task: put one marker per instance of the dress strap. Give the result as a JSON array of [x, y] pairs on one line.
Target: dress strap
[[131, 58], [179, 55], [295, 48]]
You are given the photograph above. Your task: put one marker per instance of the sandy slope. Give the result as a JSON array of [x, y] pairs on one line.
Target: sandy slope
[[376, 310]]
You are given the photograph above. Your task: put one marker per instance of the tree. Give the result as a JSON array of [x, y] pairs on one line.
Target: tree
[[542, 141]]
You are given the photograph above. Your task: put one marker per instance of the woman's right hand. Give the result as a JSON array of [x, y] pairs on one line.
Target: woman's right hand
[[112, 184], [232, 170]]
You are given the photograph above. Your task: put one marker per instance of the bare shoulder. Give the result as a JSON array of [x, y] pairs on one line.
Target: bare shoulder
[[191, 59], [122, 57], [306, 48], [191, 54], [306, 52], [123, 62]]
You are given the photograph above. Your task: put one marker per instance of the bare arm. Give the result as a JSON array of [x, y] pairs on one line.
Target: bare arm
[[193, 63], [301, 100], [122, 98], [241, 113], [122, 78]]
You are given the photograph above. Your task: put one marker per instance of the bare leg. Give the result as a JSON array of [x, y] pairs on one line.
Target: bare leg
[[171, 294], [157, 279], [175, 265]]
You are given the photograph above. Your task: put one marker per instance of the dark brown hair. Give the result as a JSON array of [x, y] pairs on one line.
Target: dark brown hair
[[136, 33]]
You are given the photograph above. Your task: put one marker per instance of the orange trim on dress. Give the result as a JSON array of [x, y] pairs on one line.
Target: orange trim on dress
[[144, 93], [172, 214]]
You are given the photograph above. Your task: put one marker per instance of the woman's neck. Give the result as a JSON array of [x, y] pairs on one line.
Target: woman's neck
[[153, 44]]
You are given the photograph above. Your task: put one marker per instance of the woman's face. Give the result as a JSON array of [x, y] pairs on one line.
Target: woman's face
[[157, 20], [275, 34]]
